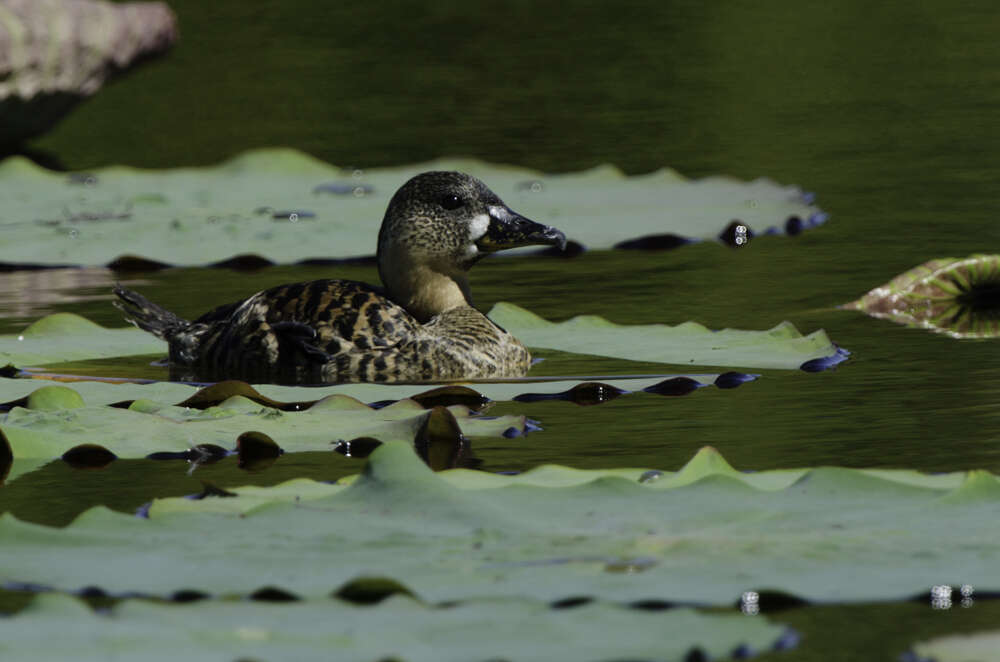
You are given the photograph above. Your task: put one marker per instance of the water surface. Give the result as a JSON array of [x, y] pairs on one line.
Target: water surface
[[888, 112]]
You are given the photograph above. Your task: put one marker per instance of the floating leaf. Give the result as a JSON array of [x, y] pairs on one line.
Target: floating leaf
[[976, 647], [196, 216], [15, 392], [147, 426], [332, 629], [956, 297], [689, 343], [705, 534], [53, 398], [64, 337], [68, 337]]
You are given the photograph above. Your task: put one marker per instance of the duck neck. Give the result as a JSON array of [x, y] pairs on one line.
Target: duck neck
[[425, 292]]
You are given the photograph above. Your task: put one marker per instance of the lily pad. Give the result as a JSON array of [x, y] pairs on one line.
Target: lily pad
[[66, 337], [690, 343], [270, 203], [148, 426], [15, 392], [976, 647], [398, 628], [956, 297], [706, 535]]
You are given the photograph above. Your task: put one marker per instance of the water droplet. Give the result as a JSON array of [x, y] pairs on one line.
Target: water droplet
[[533, 185], [650, 476], [750, 603], [736, 234], [941, 596]]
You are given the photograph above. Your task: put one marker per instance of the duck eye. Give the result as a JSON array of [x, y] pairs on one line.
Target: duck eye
[[451, 201]]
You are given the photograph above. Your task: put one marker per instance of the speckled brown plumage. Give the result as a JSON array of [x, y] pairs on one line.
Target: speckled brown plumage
[[422, 327]]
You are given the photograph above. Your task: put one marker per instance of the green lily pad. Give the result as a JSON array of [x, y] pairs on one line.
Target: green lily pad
[[398, 628], [270, 203], [106, 392], [69, 337], [956, 297], [976, 647], [704, 535], [46, 420], [66, 337], [148, 426], [690, 343], [54, 398]]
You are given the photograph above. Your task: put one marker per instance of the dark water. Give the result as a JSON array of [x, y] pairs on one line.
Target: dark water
[[888, 112]]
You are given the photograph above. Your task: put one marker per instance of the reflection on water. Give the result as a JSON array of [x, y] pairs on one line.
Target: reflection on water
[[28, 295], [958, 298]]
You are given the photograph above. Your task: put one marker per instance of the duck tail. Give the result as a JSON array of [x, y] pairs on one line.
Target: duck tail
[[148, 316]]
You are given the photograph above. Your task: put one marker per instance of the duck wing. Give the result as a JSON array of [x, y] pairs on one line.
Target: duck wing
[[296, 329]]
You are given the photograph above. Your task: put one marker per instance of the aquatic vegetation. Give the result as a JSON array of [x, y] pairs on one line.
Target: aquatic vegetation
[[54, 419], [268, 205], [321, 629], [65, 337], [706, 534], [956, 297], [956, 648]]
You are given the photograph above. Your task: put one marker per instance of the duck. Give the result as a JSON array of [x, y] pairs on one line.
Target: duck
[[420, 326]]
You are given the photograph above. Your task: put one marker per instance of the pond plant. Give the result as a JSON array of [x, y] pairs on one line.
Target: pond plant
[[416, 554]]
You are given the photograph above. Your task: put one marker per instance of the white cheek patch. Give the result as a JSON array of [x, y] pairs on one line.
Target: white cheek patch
[[478, 226]]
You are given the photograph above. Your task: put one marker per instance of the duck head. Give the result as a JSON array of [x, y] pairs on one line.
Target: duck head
[[437, 226]]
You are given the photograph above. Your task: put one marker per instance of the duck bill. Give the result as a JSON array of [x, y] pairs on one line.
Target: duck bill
[[508, 229]]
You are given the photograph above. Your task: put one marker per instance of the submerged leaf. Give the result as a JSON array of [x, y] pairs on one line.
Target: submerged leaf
[[334, 630], [257, 451], [196, 216], [88, 456], [6, 457], [705, 534], [956, 297]]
